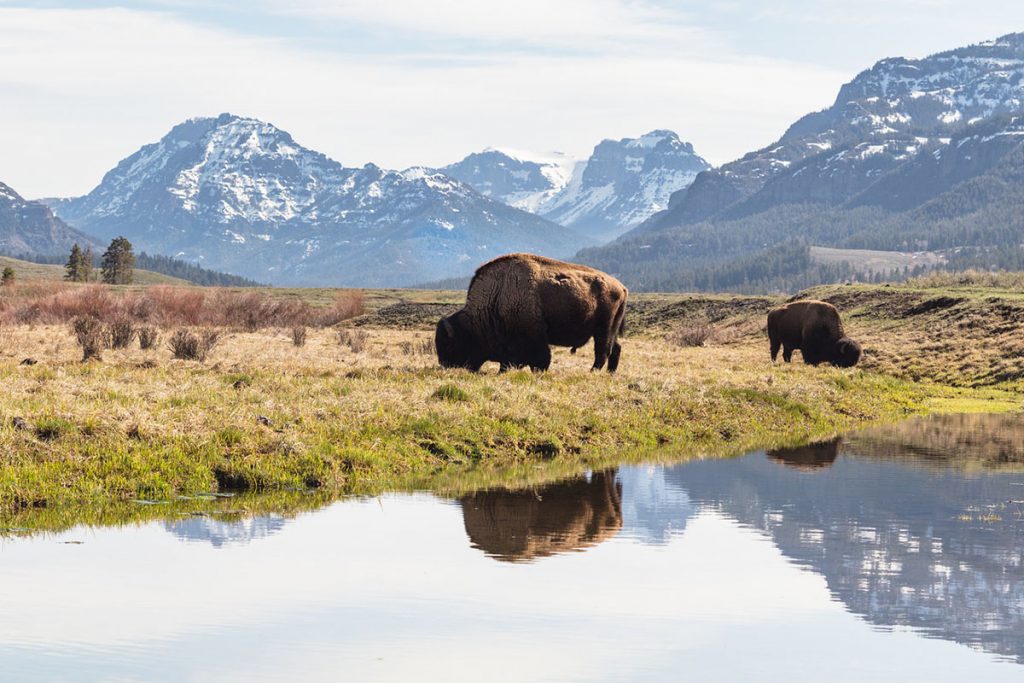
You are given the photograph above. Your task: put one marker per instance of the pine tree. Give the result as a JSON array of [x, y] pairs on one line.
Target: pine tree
[[87, 265], [74, 265], [7, 279], [118, 262]]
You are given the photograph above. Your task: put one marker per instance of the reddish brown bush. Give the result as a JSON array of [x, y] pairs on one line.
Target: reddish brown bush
[[347, 304], [177, 305]]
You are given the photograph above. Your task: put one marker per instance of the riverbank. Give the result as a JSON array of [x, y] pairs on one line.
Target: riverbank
[[340, 416]]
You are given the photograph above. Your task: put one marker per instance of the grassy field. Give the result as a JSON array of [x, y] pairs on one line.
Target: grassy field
[[85, 441]]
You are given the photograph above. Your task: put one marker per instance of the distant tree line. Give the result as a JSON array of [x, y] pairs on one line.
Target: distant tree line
[[165, 265]]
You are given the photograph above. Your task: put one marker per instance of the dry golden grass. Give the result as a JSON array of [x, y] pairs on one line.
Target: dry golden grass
[[366, 408], [263, 414]]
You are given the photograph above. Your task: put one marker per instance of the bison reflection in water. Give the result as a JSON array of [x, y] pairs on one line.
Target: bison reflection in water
[[519, 526], [809, 457]]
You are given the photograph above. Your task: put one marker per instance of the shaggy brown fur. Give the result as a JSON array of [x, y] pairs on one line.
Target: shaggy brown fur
[[813, 327], [520, 304], [517, 526]]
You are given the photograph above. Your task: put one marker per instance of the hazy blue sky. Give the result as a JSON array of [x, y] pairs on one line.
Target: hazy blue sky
[[406, 82]]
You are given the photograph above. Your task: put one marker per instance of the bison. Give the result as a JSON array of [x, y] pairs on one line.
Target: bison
[[520, 304], [813, 327]]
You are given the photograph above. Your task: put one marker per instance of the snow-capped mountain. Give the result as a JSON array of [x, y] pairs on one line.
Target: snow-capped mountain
[[914, 155], [520, 179], [240, 195], [619, 186], [623, 183], [29, 227], [884, 117]]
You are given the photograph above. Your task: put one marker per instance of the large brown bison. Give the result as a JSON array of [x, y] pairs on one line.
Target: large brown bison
[[522, 525], [813, 327], [519, 304]]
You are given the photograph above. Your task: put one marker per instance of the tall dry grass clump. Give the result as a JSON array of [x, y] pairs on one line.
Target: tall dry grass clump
[[355, 340], [421, 347], [299, 335], [92, 335], [122, 333], [149, 337], [188, 345]]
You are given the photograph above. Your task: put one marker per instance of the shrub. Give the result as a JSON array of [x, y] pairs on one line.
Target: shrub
[[299, 335], [177, 305], [91, 335], [692, 335], [149, 337], [354, 339], [347, 304], [186, 345], [122, 333]]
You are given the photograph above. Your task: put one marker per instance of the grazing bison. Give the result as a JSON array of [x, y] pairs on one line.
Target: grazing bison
[[518, 305], [813, 327]]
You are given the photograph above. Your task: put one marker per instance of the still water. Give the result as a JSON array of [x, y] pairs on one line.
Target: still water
[[891, 555]]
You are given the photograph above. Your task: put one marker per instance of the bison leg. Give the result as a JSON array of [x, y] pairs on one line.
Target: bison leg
[[613, 357], [539, 357], [787, 353], [602, 349], [775, 348]]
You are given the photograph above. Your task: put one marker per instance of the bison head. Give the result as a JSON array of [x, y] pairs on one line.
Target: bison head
[[456, 343], [846, 353]]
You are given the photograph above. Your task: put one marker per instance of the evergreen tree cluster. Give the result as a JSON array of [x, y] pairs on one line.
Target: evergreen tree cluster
[[80, 265]]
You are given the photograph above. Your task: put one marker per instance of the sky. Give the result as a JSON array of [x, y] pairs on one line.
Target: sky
[[405, 82]]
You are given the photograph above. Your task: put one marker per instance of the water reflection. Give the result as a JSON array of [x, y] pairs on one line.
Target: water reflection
[[522, 525], [220, 532], [852, 548], [809, 457], [939, 548]]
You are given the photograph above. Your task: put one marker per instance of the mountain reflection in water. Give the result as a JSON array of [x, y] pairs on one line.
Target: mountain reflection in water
[[919, 524]]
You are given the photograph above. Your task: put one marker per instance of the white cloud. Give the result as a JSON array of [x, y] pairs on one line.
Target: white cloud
[[85, 88]]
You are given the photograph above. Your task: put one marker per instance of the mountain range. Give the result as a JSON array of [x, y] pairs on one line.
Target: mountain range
[[240, 195], [913, 155], [620, 185]]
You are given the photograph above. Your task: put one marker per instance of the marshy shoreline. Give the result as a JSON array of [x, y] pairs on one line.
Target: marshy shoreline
[[140, 433]]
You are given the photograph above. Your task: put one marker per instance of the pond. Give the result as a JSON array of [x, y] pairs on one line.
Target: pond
[[892, 554]]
